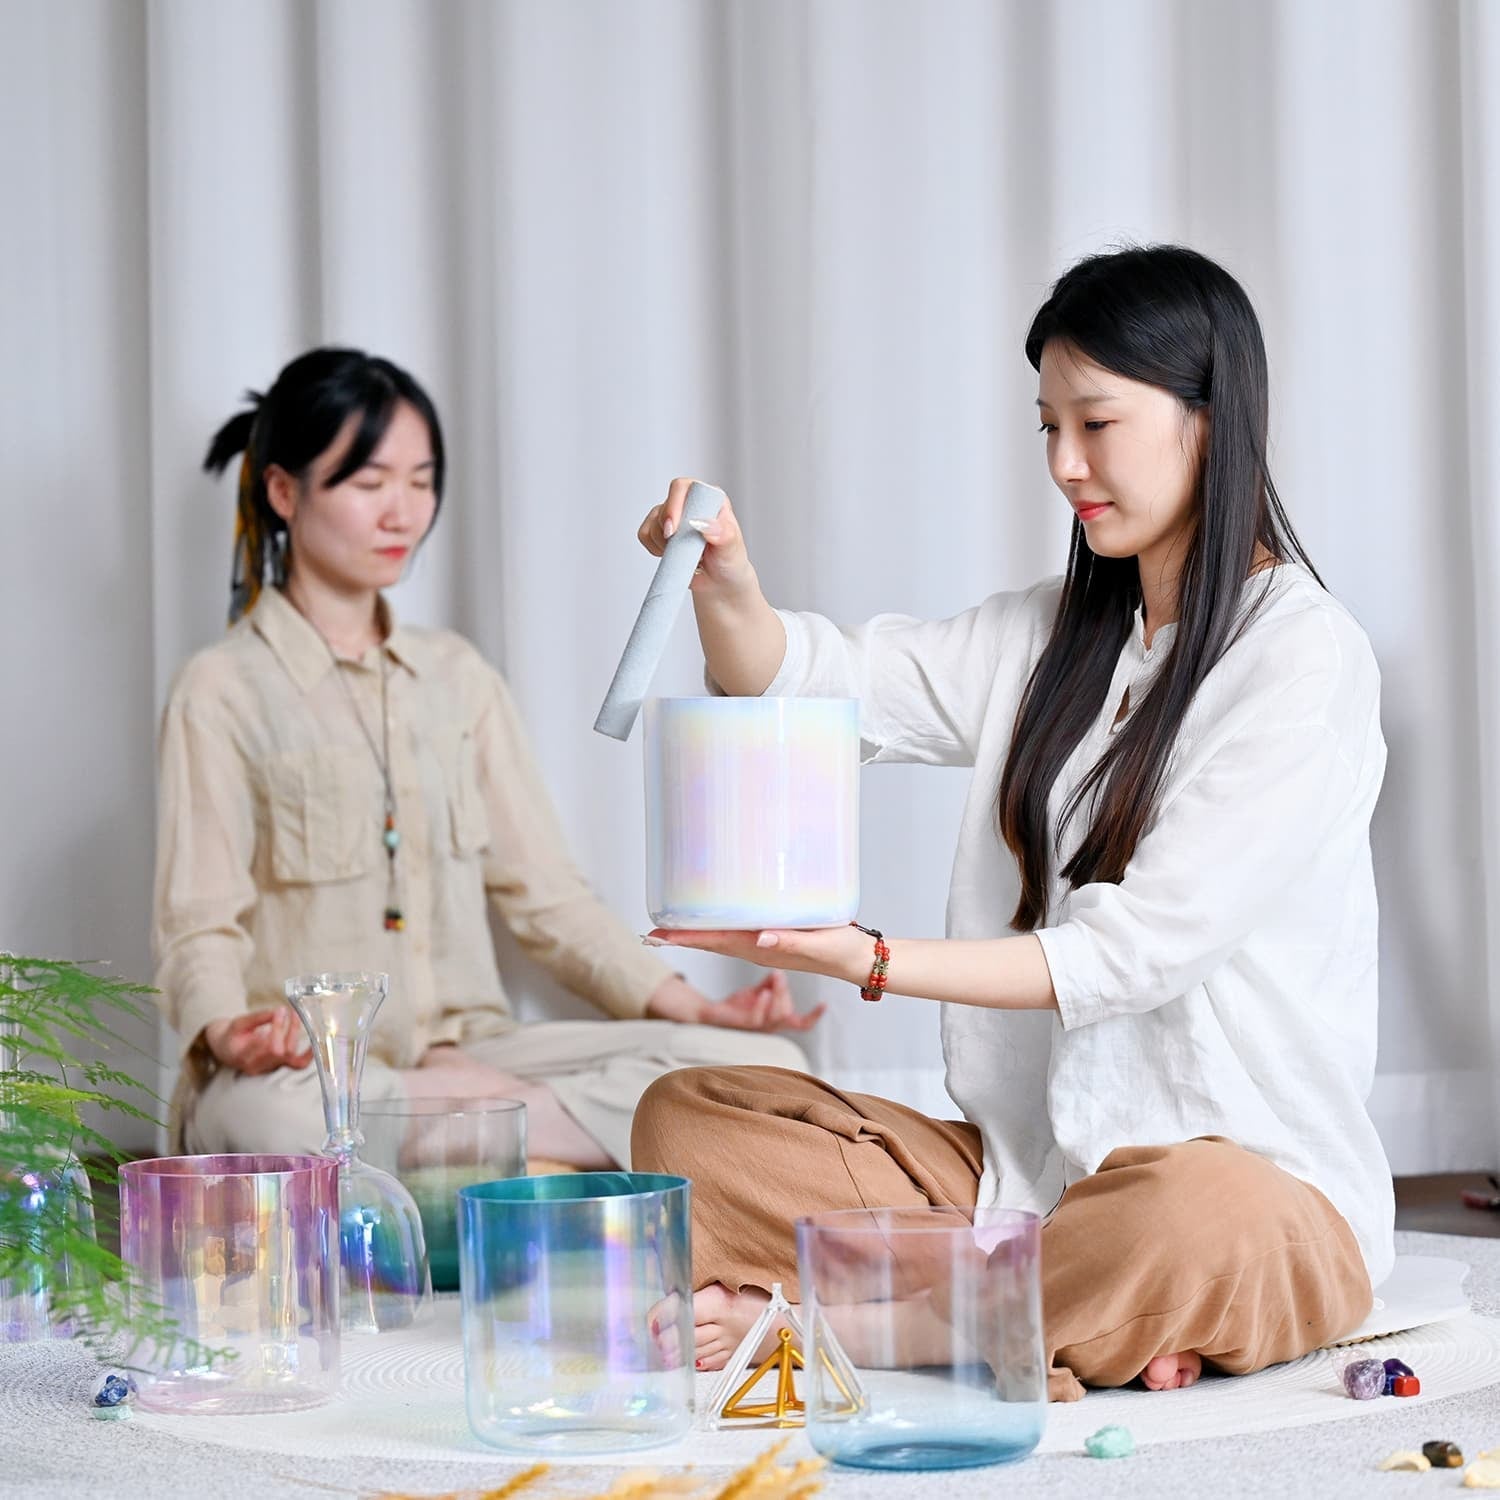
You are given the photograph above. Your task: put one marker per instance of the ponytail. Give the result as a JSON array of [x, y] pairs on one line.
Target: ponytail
[[259, 533]]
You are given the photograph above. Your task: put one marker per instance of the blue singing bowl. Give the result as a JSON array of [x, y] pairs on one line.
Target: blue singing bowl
[[577, 1311]]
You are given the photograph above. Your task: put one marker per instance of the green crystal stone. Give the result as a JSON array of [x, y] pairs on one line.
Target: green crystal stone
[[1110, 1442], [392, 839]]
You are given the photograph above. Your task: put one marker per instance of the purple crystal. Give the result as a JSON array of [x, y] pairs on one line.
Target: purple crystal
[[1395, 1367], [1364, 1379]]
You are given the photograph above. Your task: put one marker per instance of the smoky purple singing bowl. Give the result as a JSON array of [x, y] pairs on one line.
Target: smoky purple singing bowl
[[240, 1252]]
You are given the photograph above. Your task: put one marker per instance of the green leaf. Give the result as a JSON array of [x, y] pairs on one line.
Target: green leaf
[[47, 1007]]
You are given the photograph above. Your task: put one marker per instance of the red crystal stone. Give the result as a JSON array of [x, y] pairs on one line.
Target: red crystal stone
[[1406, 1385]]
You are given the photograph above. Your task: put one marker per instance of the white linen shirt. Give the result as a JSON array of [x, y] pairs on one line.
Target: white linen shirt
[[1227, 985]]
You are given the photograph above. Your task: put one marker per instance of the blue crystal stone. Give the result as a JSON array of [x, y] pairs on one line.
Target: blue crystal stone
[[392, 839], [1396, 1367], [117, 1390]]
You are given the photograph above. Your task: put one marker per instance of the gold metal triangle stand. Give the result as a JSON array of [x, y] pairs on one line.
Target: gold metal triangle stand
[[787, 1409], [732, 1404]]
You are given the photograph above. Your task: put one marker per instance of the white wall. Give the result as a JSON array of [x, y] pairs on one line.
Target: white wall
[[793, 247]]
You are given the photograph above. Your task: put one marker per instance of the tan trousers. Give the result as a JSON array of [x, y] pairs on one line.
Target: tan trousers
[[597, 1069], [1199, 1246]]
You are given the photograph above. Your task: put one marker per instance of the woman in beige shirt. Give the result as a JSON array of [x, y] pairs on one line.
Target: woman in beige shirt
[[338, 791]]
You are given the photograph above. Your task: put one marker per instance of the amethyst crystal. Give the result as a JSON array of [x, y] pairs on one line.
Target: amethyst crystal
[[1364, 1379]]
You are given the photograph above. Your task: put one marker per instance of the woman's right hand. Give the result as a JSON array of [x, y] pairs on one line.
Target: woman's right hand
[[743, 640], [725, 568], [260, 1041]]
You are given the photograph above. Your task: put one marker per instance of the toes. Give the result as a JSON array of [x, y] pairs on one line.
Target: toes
[[715, 1357], [1171, 1372]]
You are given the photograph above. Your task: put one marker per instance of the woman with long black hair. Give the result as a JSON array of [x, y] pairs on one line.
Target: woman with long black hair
[[338, 791], [1160, 971]]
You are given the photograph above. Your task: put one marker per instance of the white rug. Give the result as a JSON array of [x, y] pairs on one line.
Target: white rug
[[402, 1394], [51, 1449]]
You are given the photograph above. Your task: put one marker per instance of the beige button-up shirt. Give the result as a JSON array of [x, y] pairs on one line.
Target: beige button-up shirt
[[270, 854]]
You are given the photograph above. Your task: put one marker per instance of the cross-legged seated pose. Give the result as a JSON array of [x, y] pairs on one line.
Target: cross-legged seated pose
[[1159, 981], [342, 792]]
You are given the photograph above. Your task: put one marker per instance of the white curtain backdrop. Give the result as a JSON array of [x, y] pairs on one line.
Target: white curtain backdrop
[[788, 245]]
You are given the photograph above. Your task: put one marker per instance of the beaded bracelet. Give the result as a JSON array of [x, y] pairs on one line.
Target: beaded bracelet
[[874, 987]]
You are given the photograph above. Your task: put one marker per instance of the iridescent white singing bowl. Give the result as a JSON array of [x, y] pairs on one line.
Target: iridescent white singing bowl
[[752, 812]]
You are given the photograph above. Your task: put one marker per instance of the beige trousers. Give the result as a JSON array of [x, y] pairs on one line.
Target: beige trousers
[[597, 1069], [1199, 1246]]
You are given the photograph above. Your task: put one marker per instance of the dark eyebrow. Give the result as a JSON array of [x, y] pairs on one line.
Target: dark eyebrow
[[370, 463], [1083, 400]]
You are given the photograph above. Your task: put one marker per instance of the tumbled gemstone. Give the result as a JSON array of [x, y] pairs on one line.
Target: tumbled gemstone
[[1110, 1442], [1406, 1385], [1443, 1455], [1364, 1379], [1407, 1459], [117, 1390], [1396, 1367]]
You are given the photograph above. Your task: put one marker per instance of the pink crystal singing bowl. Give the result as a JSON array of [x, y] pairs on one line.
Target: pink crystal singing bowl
[[752, 812], [242, 1254]]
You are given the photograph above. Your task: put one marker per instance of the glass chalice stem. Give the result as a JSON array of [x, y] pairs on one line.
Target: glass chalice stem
[[384, 1277]]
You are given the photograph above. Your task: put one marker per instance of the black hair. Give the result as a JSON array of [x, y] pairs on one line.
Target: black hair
[[1172, 318], [296, 420]]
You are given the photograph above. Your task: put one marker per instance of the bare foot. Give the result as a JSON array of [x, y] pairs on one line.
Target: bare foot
[[667, 1331], [1172, 1372], [722, 1318]]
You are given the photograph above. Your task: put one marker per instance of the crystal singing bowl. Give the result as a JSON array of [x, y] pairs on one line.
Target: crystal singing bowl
[[752, 812], [240, 1253], [577, 1311], [436, 1147], [924, 1330]]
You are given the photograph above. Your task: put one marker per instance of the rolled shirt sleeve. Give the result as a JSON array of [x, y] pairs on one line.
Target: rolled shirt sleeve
[[924, 685], [1268, 800], [534, 884], [204, 887]]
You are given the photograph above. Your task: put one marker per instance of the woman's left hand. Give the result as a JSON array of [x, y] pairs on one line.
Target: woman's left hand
[[839, 952], [764, 1006]]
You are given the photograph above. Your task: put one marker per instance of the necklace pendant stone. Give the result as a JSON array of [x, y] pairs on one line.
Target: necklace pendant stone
[[394, 921]]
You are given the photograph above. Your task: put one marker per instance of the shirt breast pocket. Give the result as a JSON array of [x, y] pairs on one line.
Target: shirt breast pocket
[[468, 821], [326, 815]]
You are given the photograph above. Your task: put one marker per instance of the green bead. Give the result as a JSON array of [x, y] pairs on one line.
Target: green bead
[[392, 838]]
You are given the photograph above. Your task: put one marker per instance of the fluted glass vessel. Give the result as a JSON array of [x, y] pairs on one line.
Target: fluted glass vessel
[[45, 1193], [27, 1298], [385, 1282]]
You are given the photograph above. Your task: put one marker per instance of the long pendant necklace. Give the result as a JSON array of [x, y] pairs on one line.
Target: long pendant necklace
[[390, 836]]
